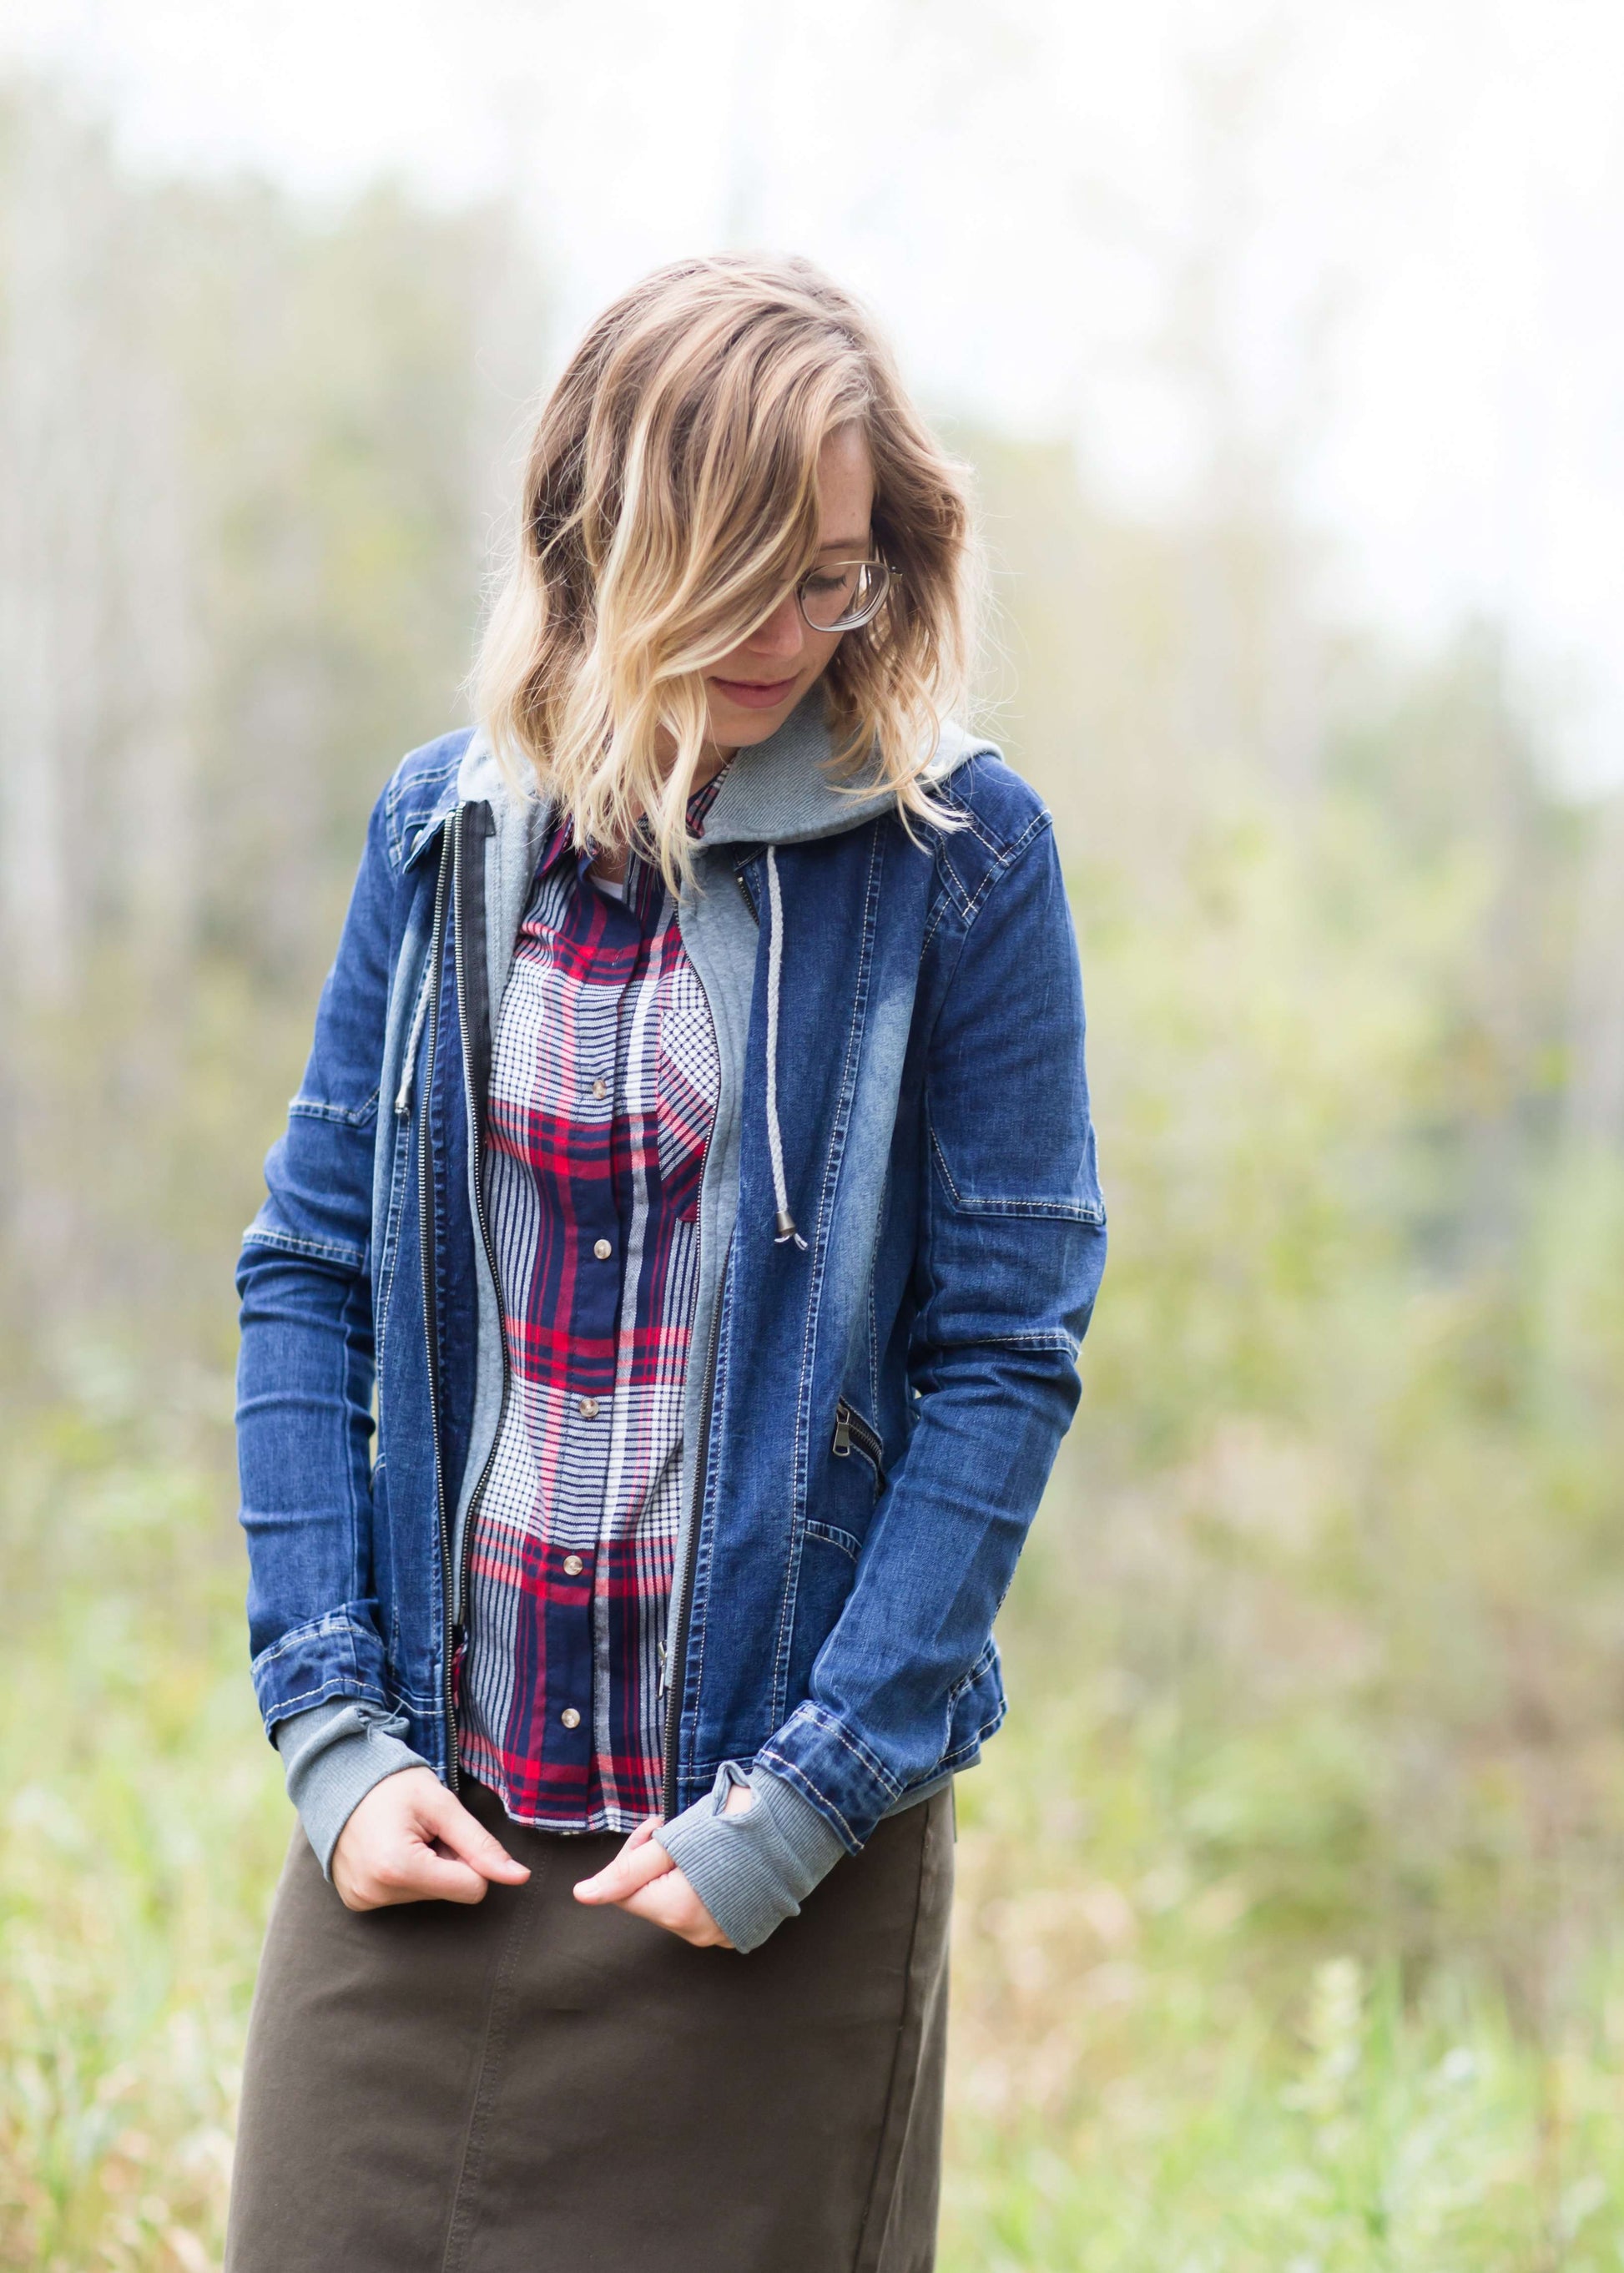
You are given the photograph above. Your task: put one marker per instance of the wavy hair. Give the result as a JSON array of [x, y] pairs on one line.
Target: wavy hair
[[670, 500]]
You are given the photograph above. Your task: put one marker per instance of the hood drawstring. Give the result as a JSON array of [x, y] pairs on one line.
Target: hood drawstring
[[785, 1224]]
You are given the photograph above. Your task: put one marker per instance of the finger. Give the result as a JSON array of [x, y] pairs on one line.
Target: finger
[[414, 1874], [447, 1821], [431, 1879], [672, 1902], [632, 1867]]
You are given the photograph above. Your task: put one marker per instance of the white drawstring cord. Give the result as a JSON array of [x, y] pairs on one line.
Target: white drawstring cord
[[785, 1227]]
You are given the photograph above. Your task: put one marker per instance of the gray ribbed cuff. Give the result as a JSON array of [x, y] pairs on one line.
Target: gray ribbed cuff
[[331, 1756], [755, 1870]]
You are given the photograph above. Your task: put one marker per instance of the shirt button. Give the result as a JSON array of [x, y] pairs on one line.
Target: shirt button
[[602, 1249], [601, 1088], [572, 1566], [570, 1717], [587, 1407]]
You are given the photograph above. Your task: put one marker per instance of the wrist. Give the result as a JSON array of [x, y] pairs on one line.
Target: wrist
[[752, 1865], [334, 1755]]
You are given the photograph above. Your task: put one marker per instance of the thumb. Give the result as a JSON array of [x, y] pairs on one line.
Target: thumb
[[639, 1861], [446, 1818]]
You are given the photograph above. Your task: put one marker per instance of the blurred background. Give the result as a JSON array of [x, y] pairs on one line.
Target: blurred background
[[1286, 342]]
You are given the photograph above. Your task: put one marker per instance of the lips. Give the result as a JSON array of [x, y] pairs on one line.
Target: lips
[[754, 694]]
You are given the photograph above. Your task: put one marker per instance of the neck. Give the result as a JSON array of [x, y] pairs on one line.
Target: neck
[[712, 759]]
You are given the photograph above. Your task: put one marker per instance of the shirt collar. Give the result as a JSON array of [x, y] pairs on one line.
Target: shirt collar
[[560, 838]]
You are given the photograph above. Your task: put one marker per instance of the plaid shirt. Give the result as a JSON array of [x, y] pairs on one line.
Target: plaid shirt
[[603, 1089]]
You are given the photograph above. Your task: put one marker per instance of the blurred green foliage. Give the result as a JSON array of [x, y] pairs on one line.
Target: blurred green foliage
[[1286, 1932]]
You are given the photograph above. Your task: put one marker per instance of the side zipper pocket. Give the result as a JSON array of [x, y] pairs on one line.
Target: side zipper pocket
[[852, 1430]]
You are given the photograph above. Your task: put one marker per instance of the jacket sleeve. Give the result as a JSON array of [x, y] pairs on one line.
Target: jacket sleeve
[[305, 1370], [1011, 1249]]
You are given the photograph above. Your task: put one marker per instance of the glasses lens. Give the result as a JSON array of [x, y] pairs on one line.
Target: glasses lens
[[843, 594]]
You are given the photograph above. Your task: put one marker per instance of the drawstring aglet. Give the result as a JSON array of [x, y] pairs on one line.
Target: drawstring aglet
[[785, 1228]]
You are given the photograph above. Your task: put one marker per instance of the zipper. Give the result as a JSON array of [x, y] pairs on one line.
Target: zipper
[[750, 900], [426, 1242], [851, 1429], [476, 1163]]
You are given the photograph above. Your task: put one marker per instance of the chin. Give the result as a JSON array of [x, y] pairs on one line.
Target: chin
[[754, 728], [733, 727]]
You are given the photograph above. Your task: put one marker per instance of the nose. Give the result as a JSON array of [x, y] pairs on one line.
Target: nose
[[780, 635]]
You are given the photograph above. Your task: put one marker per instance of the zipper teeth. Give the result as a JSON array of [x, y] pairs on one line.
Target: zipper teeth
[[861, 1434], [425, 1235], [477, 1175]]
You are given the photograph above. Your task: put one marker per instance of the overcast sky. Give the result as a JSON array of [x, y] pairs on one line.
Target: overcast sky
[[1402, 225]]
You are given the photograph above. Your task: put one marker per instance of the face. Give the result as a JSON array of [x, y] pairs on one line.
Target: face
[[751, 691]]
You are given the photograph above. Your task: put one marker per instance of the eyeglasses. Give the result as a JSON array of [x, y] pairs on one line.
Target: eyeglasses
[[838, 596]]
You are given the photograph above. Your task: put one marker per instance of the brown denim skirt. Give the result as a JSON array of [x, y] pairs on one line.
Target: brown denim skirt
[[527, 2085]]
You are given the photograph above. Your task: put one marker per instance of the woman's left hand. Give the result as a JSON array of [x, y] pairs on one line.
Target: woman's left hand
[[644, 1879]]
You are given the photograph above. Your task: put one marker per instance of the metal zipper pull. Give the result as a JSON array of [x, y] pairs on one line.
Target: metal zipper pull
[[843, 1430]]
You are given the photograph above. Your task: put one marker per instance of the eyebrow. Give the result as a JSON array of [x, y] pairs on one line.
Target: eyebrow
[[843, 543]]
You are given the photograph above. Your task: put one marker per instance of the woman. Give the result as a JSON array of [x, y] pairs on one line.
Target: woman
[[694, 1166]]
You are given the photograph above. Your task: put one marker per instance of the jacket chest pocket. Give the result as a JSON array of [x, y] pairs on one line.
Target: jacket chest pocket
[[686, 1085]]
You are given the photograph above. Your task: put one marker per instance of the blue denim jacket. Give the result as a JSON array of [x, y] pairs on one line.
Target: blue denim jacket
[[878, 1401]]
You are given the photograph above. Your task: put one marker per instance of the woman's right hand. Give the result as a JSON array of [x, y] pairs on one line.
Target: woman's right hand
[[412, 1840]]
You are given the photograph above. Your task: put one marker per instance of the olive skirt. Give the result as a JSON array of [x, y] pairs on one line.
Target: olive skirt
[[527, 2086]]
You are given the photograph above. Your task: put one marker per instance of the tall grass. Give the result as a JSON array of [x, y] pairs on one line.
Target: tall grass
[[1287, 1932], [138, 1837]]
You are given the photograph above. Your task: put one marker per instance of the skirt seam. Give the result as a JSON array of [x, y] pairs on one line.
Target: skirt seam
[[464, 2205], [908, 2032]]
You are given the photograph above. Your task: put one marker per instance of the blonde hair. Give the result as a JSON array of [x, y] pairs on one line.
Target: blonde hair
[[670, 500]]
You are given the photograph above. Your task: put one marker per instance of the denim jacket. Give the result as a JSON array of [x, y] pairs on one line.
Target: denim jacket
[[877, 1399]]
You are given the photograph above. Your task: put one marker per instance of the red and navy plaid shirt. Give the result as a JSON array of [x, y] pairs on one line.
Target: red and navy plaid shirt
[[603, 1089]]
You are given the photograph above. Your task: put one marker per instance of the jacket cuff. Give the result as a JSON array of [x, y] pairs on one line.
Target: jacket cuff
[[331, 1756], [754, 1870]]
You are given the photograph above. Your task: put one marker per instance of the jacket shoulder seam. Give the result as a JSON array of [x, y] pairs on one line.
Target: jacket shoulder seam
[[1002, 856], [413, 783]]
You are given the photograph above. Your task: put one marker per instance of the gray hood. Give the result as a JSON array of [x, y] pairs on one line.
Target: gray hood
[[776, 793]]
